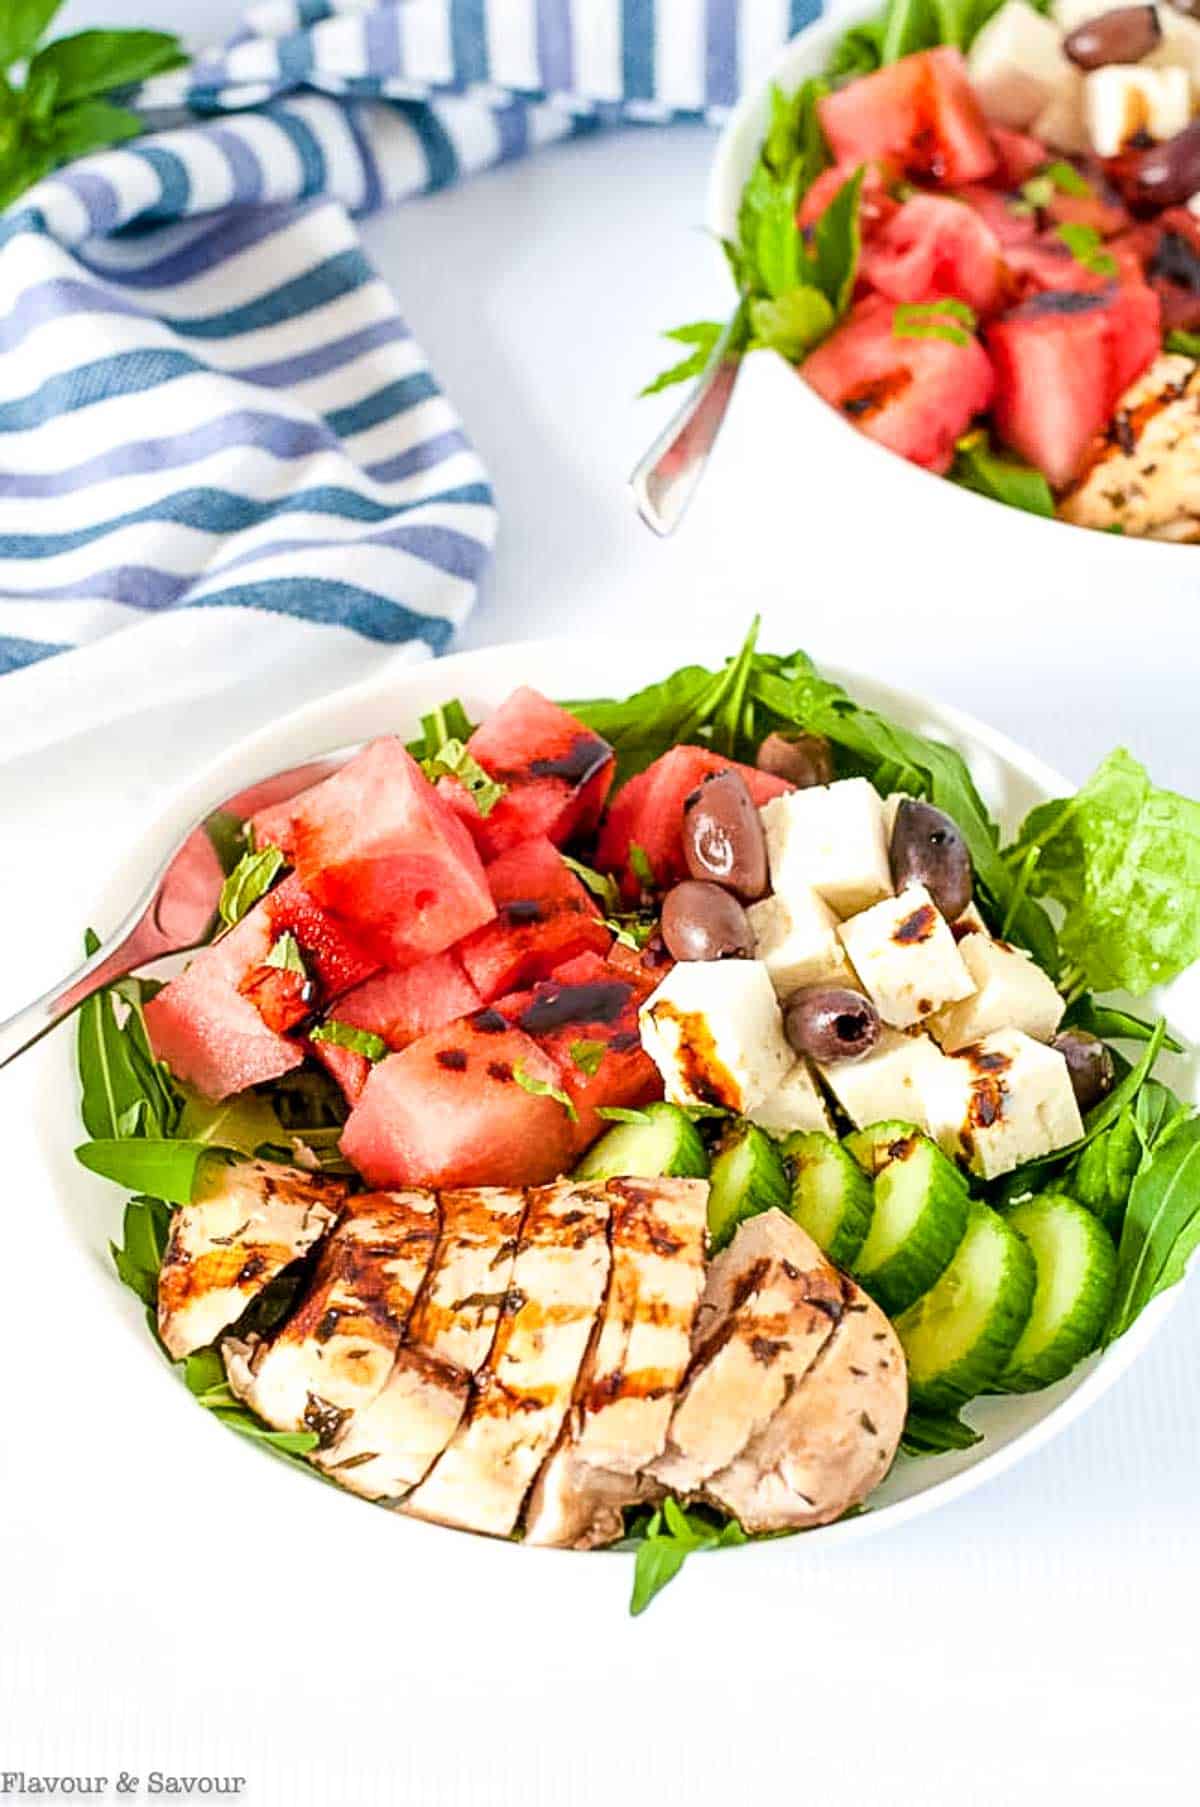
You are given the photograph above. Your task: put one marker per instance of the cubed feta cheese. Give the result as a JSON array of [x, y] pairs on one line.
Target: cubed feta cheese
[[1180, 45], [796, 939], [906, 957], [1017, 66], [713, 1029], [889, 1082], [1067, 14], [1125, 99], [829, 839], [891, 804], [1011, 992], [795, 1104], [1003, 1100], [1060, 124]]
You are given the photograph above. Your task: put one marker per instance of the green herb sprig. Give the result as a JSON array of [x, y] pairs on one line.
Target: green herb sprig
[[52, 105]]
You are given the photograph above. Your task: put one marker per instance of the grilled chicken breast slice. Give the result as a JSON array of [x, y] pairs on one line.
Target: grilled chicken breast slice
[[520, 1398], [249, 1222], [1143, 473], [833, 1441], [627, 1386], [388, 1446], [766, 1314], [336, 1351]]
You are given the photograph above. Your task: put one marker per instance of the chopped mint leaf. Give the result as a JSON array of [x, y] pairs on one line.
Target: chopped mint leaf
[[344, 1035], [250, 879], [639, 865], [934, 320], [287, 957], [452, 760], [1085, 245], [617, 1113], [587, 1056], [541, 1088]]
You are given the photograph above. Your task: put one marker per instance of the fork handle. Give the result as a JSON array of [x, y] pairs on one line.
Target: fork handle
[[667, 478]]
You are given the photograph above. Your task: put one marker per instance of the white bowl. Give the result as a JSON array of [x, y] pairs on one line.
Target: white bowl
[[869, 463], [1011, 780]]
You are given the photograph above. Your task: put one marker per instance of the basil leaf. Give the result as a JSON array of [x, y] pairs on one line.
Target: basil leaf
[[250, 879], [1162, 1225], [93, 62], [164, 1167], [346, 1035], [933, 1433], [1123, 859], [541, 1088], [89, 126], [22, 23], [793, 324], [1003, 479]]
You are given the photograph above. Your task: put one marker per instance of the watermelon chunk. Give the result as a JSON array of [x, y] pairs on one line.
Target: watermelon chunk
[[920, 114], [875, 204], [349, 1068], [282, 998], [932, 248], [543, 917], [585, 1018], [995, 210], [648, 812], [915, 396], [1062, 361], [1018, 155], [557, 773], [378, 846], [403, 1006], [451, 1111], [211, 1036], [333, 954]]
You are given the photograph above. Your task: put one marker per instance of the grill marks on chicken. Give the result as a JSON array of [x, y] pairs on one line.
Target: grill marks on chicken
[[335, 1352], [249, 1222], [1142, 475], [634, 1365], [521, 1394]]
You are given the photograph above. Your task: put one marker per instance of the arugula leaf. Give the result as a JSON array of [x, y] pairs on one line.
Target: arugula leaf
[[1003, 479], [146, 1226], [933, 1433], [587, 1056], [124, 1090], [1162, 1224], [163, 1166], [1123, 859], [1111, 1024], [1086, 247], [791, 324], [671, 1536], [285, 954], [241, 1124], [250, 879], [93, 62], [541, 1088], [452, 760], [345, 1035]]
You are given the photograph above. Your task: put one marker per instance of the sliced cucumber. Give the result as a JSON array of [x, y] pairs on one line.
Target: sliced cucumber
[[748, 1176], [832, 1198], [1076, 1272], [666, 1145], [958, 1339], [920, 1215], [871, 1147]]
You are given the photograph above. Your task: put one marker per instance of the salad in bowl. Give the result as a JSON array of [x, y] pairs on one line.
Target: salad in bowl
[[975, 232], [656, 1121]]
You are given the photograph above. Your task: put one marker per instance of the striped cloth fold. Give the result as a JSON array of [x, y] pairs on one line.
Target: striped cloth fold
[[209, 402]]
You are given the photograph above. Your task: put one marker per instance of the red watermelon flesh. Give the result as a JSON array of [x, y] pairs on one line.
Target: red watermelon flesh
[[403, 1006], [995, 210], [282, 998], [543, 917], [451, 1111], [349, 1068], [920, 114], [272, 826], [933, 248], [557, 775], [380, 848], [211, 1036], [333, 954], [1020, 155], [648, 812], [588, 1009]]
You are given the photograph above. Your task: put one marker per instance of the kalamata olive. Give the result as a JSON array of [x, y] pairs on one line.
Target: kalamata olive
[[830, 1022], [704, 922], [1089, 1063], [928, 849], [1167, 174], [803, 759], [1125, 35], [723, 840]]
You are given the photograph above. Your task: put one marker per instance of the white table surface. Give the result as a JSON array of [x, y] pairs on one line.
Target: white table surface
[[1036, 1642]]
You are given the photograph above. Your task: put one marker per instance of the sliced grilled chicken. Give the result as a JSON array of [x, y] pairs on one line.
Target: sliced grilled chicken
[[385, 1449], [627, 1386], [1143, 474], [336, 1350], [834, 1439], [520, 1398], [250, 1222], [766, 1314]]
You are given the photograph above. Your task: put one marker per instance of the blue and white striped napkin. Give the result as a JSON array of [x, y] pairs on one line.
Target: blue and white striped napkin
[[209, 402]]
